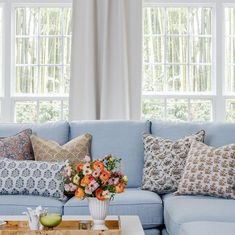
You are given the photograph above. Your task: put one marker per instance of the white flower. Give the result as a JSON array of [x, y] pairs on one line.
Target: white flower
[[87, 171], [86, 166], [87, 158], [88, 191], [106, 194]]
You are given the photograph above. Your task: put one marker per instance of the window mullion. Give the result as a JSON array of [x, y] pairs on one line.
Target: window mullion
[[218, 62]]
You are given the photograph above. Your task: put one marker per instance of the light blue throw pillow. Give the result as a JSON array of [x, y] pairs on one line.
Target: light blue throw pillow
[[31, 178]]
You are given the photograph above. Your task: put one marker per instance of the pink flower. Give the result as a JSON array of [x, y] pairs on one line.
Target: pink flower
[[96, 173], [70, 187], [87, 158], [73, 187], [93, 186], [113, 181], [68, 171], [66, 188]]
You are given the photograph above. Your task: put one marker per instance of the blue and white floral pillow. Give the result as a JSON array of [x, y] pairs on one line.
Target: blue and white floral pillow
[[31, 178]]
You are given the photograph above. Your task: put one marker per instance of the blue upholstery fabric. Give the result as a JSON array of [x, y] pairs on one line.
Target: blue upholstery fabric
[[152, 232], [183, 209], [16, 204], [123, 139], [57, 131], [207, 228], [164, 232], [147, 205], [217, 134]]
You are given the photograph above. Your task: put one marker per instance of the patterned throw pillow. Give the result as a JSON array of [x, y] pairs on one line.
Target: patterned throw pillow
[[209, 171], [17, 147], [31, 178], [164, 161], [75, 150]]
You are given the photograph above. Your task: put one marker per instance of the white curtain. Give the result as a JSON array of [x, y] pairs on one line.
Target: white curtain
[[106, 59]]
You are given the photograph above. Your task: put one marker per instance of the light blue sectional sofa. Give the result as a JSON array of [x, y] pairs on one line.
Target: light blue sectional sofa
[[166, 214]]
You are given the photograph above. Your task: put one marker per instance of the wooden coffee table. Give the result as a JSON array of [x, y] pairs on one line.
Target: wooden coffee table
[[130, 225]]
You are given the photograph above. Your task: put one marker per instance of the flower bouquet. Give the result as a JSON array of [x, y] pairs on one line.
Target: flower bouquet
[[98, 181]]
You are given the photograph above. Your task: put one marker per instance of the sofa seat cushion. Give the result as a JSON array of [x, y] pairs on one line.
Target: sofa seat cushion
[[147, 205], [16, 204], [183, 209], [123, 139], [207, 228]]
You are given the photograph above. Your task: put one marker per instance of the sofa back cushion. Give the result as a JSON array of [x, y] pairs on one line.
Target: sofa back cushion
[[57, 131], [123, 139], [217, 134]]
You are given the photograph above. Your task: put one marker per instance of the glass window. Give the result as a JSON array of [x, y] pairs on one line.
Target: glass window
[[177, 61], [42, 62]]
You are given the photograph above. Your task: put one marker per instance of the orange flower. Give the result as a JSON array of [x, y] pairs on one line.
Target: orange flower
[[86, 180], [79, 193], [79, 167], [99, 194], [98, 165], [104, 176], [120, 188]]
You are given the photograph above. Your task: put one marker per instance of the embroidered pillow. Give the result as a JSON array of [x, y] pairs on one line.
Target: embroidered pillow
[[164, 161], [31, 178], [17, 147], [209, 171], [75, 150]]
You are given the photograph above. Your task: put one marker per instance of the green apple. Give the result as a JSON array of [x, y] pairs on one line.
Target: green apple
[[50, 220]]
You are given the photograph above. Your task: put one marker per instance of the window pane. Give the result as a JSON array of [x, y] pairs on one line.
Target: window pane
[[153, 109], [177, 79], [50, 21], [48, 48], [201, 110], [67, 24], [200, 78], [65, 110], [26, 51], [177, 49], [67, 50], [230, 50], [229, 21], [26, 79], [201, 50], [49, 111], [177, 110], [154, 20], [177, 20], [66, 79], [51, 51], [25, 111], [26, 21], [230, 110], [50, 80], [154, 78], [200, 23], [230, 78]]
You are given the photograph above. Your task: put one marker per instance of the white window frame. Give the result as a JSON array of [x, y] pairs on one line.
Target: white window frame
[[9, 97], [218, 95]]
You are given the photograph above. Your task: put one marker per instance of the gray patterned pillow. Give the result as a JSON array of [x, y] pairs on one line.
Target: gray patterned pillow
[[164, 161], [209, 171], [31, 178]]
